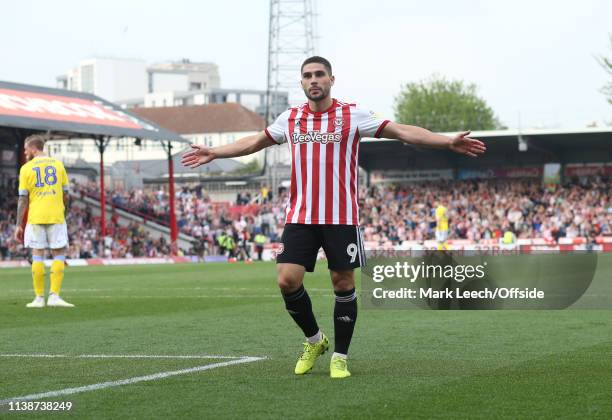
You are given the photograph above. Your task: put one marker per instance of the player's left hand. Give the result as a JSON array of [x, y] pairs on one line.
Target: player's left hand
[[465, 145], [18, 234]]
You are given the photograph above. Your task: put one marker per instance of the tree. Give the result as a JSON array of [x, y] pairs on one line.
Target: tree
[[606, 63], [442, 105]]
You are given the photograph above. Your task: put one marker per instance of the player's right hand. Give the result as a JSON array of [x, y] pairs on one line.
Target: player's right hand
[[198, 155]]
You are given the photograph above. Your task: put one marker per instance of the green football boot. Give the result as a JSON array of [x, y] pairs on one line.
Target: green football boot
[[310, 355], [338, 369]]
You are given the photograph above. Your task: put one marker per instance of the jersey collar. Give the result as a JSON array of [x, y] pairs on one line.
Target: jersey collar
[[332, 106]]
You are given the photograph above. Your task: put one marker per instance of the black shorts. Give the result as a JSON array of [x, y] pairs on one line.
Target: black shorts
[[343, 246]]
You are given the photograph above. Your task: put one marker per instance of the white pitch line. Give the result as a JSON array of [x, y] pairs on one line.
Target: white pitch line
[[124, 356], [110, 384]]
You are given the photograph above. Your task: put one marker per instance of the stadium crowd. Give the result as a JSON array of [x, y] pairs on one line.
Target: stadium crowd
[[198, 216], [84, 234], [477, 209], [485, 209]]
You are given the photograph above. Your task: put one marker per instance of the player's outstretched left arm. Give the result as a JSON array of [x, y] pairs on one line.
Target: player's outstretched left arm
[[459, 143]]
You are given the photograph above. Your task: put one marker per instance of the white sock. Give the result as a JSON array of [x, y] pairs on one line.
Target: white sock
[[315, 338], [340, 355]]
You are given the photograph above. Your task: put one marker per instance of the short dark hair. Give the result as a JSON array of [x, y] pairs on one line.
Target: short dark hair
[[36, 140], [320, 60]]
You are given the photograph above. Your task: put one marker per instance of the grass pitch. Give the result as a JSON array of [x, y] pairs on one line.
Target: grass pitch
[[405, 364]]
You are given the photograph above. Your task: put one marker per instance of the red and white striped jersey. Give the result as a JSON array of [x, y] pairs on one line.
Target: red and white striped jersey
[[324, 150]]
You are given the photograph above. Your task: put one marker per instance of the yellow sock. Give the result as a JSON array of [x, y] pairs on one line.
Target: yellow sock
[[57, 274], [38, 277]]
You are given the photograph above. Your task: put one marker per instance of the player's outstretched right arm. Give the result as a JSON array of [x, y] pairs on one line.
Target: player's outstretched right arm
[[201, 155]]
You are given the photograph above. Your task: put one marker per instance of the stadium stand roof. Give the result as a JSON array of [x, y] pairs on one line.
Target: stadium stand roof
[[75, 113], [212, 118], [541, 146], [27, 109], [157, 168]]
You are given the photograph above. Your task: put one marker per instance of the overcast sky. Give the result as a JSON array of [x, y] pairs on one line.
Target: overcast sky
[[535, 57]]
